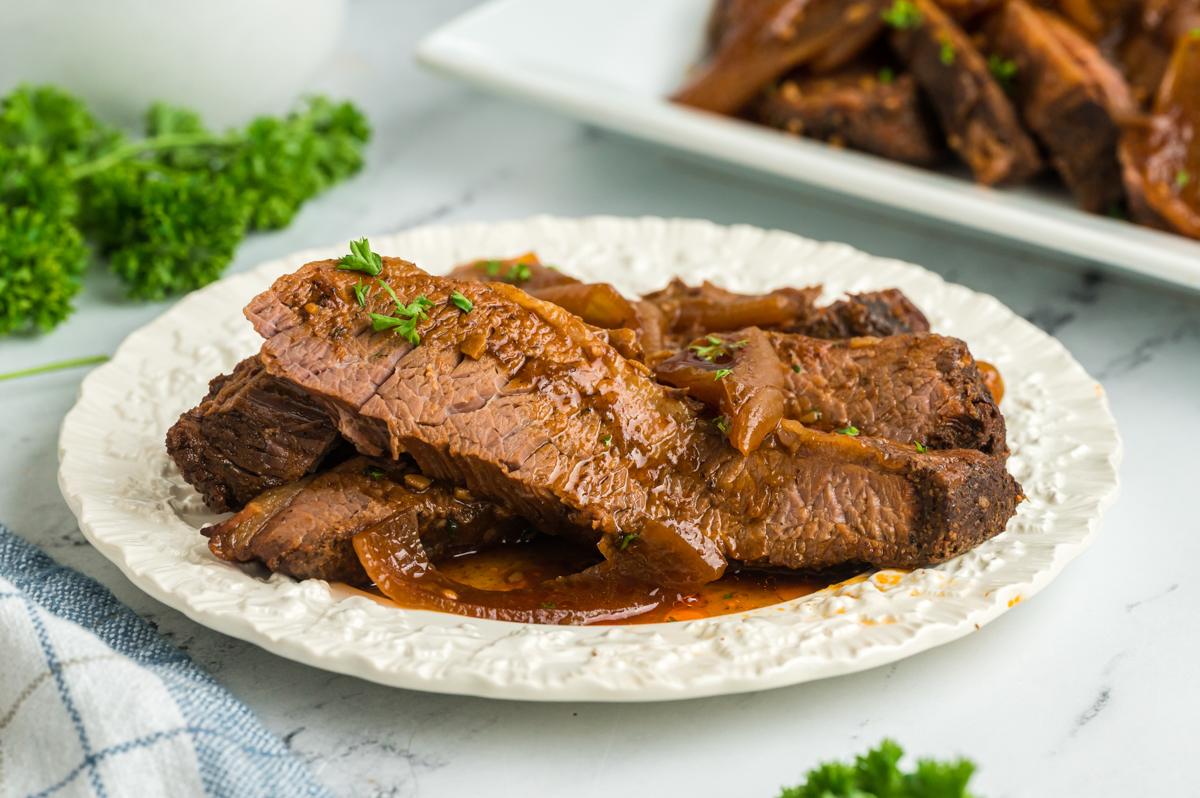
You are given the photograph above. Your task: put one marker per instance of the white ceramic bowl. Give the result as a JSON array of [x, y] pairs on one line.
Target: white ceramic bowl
[[229, 59]]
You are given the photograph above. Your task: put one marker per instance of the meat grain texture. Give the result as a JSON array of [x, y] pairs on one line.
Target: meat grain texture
[[550, 420]]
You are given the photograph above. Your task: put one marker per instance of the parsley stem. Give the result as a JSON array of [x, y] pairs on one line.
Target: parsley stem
[[164, 142], [62, 364]]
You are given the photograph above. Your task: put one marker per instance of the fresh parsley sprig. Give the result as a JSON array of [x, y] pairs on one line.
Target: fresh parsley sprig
[[877, 775], [167, 211], [461, 302]]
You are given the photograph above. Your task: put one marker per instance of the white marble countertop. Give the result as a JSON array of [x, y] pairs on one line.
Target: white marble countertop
[[1087, 689]]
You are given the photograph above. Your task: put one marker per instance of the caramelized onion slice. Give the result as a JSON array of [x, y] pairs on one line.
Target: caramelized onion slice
[[599, 304], [619, 588], [738, 374]]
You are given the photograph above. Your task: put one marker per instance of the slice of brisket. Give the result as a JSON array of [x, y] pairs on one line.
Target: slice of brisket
[[1070, 96], [920, 387], [251, 432], [548, 419], [688, 312], [304, 529], [854, 108], [980, 123]]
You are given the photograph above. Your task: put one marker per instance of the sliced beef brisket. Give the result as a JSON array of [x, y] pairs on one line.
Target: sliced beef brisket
[[1071, 97], [251, 432], [920, 387], [550, 420], [304, 529], [980, 123], [854, 108]]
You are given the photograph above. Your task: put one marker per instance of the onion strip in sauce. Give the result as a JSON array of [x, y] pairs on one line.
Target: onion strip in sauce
[[656, 567]]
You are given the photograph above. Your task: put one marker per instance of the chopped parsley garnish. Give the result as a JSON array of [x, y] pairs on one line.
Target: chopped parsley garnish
[[373, 472], [360, 294], [946, 54], [716, 347], [728, 596], [361, 259], [405, 320], [903, 15], [921, 449], [548, 605], [1003, 70], [627, 539], [797, 368], [1182, 178], [461, 302], [389, 290], [723, 424], [877, 774], [721, 374], [852, 431], [492, 267], [886, 76], [451, 526], [518, 272], [606, 440]]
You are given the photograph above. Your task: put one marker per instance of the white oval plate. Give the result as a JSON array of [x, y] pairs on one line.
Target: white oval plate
[[134, 507]]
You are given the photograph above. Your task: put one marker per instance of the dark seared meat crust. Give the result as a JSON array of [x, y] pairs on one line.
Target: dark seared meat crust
[[920, 387], [553, 422], [251, 432], [980, 123], [854, 109], [304, 529], [1070, 97]]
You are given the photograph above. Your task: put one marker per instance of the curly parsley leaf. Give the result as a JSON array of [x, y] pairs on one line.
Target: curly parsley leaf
[[721, 374], [164, 231], [461, 302], [286, 161], [877, 775], [41, 261]]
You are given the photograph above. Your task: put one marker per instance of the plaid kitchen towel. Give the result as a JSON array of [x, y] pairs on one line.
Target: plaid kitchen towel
[[93, 702]]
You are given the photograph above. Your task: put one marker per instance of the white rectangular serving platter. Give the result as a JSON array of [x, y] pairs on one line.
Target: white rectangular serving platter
[[614, 62]]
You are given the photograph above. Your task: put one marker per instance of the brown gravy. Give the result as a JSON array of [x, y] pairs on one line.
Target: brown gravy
[[522, 565]]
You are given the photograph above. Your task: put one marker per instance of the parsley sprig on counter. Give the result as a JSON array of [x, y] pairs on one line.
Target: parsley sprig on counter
[[166, 211], [878, 775]]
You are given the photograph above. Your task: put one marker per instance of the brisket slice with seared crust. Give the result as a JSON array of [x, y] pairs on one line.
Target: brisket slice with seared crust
[[687, 312], [1070, 96], [304, 529], [919, 387], [853, 108], [551, 421], [251, 432], [980, 123]]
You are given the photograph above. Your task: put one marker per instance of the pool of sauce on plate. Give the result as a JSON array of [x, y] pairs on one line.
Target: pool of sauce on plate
[[522, 565]]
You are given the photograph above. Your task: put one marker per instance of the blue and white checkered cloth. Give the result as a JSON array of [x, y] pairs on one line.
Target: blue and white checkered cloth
[[93, 702]]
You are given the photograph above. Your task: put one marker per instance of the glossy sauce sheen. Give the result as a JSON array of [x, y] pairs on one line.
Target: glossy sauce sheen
[[524, 565]]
